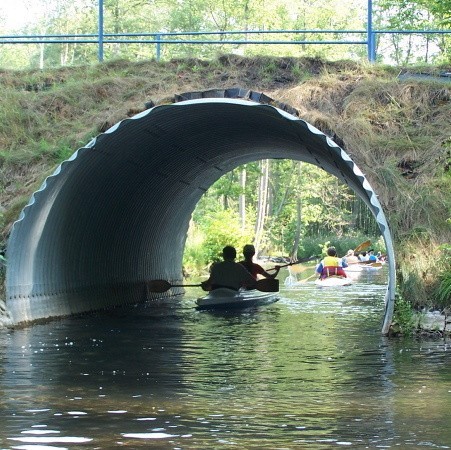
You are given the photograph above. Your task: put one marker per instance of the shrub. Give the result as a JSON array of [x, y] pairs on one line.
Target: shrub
[[403, 317], [442, 292]]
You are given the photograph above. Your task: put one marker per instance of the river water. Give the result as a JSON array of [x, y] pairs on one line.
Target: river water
[[311, 371]]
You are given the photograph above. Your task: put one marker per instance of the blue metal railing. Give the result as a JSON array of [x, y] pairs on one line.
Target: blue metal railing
[[368, 37]]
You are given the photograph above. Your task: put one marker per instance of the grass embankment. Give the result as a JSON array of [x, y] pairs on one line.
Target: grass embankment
[[398, 133]]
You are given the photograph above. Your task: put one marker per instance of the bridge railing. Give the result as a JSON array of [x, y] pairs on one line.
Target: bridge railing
[[243, 37]]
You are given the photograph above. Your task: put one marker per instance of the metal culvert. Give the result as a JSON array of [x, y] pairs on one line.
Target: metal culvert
[[117, 212]]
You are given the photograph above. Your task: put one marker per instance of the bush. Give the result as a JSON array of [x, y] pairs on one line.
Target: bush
[[205, 242], [403, 317], [442, 292]]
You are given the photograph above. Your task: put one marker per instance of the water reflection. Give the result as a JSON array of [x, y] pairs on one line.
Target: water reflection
[[311, 371]]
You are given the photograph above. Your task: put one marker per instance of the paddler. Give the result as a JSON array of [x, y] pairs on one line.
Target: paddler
[[253, 268], [228, 273], [331, 265], [350, 257]]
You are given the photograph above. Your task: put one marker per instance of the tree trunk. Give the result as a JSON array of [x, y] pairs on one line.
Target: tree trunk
[[297, 234], [41, 55], [242, 199], [262, 204]]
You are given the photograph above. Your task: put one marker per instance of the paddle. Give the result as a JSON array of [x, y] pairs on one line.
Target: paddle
[[371, 263], [284, 265], [362, 246], [308, 278], [299, 261], [293, 281], [264, 285]]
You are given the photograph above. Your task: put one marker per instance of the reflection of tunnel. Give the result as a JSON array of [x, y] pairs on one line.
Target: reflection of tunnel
[[116, 214]]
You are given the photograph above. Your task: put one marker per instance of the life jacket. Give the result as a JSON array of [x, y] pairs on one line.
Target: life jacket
[[331, 261], [331, 266]]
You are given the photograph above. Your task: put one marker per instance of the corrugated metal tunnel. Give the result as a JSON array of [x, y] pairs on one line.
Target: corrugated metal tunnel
[[117, 212]]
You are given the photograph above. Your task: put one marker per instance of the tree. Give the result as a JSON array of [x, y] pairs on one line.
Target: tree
[[262, 204], [413, 15]]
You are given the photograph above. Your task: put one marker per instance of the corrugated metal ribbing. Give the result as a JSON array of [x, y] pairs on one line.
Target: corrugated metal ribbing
[[116, 213]]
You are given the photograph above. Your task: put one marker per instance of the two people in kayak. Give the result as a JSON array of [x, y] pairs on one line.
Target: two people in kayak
[[233, 275]]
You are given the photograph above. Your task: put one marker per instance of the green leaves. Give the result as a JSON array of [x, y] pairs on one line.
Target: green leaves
[[301, 200]]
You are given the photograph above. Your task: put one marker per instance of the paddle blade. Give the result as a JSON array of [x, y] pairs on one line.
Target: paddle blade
[[362, 246], [376, 264], [268, 285], [158, 286]]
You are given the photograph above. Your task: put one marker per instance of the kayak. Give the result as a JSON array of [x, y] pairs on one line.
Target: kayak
[[371, 266], [333, 282], [354, 268], [224, 298]]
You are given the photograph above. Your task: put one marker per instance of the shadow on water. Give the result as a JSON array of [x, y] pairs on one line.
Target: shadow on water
[[310, 371]]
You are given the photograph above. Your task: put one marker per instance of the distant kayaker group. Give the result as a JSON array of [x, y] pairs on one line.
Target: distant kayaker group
[[332, 265], [245, 273]]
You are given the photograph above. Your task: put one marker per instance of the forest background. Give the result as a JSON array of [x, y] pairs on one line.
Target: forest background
[[398, 133]]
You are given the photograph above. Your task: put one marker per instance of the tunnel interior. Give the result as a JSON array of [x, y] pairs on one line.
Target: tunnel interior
[[116, 214]]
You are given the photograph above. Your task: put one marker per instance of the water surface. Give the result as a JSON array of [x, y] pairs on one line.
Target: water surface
[[310, 371]]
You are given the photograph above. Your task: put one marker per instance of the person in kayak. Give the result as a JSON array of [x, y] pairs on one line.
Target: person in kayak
[[351, 258], [331, 265], [253, 268], [364, 257], [371, 256], [228, 273]]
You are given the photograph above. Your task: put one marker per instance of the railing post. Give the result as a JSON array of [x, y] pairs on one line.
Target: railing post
[[158, 49], [100, 50], [371, 43]]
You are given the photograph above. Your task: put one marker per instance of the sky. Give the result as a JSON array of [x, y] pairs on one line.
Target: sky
[[14, 14]]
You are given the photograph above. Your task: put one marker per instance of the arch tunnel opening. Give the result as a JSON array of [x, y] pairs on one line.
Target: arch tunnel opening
[[288, 209], [116, 214]]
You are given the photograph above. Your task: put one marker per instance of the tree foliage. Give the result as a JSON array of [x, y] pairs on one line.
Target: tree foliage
[[414, 15], [129, 17], [303, 201]]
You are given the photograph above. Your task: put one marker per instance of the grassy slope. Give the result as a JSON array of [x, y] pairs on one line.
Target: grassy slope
[[399, 133]]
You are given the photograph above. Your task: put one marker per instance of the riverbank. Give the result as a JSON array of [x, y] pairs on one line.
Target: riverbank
[[433, 323], [424, 324]]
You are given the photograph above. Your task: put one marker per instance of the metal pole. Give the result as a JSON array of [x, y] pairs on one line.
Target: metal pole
[[369, 26], [370, 34], [100, 51], [158, 37]]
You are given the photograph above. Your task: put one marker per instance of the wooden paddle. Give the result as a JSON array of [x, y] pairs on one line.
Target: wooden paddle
[[371, 263], [264, 285], [362, 246], [308, 278]]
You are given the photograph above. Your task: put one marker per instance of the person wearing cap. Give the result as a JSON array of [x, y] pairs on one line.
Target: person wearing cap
[[228, 273], [253, 268]]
